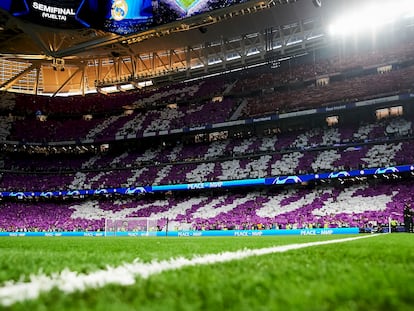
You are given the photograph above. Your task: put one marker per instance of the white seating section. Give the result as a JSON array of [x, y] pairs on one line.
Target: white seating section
[[215, 149], [180, 92], [244, 146], [273, 206], [349, 203], [331, 136], [130, 127], [93, 133], [268, 143], [287, 165], [352, 206], [325, 160], [200, 173], [163, 120], [135, 177], [363, 132], [399, 126], [381, 155]]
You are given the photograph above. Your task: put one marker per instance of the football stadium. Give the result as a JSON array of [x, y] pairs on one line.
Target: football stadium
[[206, 155]]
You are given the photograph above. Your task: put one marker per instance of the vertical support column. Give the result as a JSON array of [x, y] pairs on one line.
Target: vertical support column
[[188, 61], [243, 53], [36, 85], [223, 52], [204, 57]]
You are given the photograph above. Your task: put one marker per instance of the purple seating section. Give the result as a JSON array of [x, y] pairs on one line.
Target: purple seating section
[[31, 130], [337, 62], [202, 110], [31, 182], [98, 103], [348, 90], [216, 161], [358, 205], [98, 129]]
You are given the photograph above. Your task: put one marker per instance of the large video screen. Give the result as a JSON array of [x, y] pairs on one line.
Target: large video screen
[[118, 16]]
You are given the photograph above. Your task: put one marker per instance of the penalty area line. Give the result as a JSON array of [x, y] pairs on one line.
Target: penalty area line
[[69, 281]]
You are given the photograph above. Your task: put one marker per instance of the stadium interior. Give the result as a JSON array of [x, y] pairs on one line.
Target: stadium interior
[[260, 115]]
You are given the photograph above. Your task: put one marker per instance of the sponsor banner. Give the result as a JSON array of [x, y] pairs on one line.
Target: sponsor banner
[[210, 185], [75, 193], [235, 233], [374, 101], [279, 180], [295, 179], [198, 128], [53, 234]]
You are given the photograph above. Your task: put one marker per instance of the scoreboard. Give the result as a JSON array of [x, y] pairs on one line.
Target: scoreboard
[[118, 16]]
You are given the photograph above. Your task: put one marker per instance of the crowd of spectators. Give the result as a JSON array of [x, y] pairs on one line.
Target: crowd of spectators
[[376, 144], [166, 108]]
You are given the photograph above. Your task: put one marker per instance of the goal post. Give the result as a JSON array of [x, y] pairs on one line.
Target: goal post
[[131, 226]]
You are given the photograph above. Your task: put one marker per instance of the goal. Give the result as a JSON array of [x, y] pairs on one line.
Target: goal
[[132, 226]]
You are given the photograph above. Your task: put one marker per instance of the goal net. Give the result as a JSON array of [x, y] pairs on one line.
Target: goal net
[[133, 226]]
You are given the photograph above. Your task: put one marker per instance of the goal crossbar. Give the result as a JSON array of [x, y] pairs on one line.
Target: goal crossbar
[[131, 226]]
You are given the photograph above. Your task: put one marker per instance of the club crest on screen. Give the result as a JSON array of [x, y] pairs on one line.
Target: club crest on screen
[[119, 10]]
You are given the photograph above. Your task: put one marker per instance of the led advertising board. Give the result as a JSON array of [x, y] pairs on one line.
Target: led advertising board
[[118, 16]]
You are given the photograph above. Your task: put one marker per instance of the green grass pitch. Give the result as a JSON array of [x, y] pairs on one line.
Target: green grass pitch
[[368, 274]]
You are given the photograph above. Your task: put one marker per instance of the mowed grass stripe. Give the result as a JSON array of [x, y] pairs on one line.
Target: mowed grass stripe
[[20, 257], [69, 281]]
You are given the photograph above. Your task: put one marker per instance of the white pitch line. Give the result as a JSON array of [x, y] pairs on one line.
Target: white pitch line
[[70, 281]]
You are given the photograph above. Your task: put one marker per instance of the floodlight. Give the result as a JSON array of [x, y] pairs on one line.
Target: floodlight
[[371, 17]]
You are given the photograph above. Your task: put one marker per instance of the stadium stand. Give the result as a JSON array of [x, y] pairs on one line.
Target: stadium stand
[[313, 150], [62, 153], [362, 205]]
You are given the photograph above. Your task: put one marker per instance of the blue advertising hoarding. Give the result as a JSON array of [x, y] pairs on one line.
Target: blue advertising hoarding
[[279, 180], [234, 233]]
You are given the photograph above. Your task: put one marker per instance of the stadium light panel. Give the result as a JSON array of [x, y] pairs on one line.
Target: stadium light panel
[[233, 57], [197, 66], [371, 17], [315, 37], [409, 9], [253, 52], [109, 89], [127, 86], [144, 83], [214, 61], [294, 42]]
